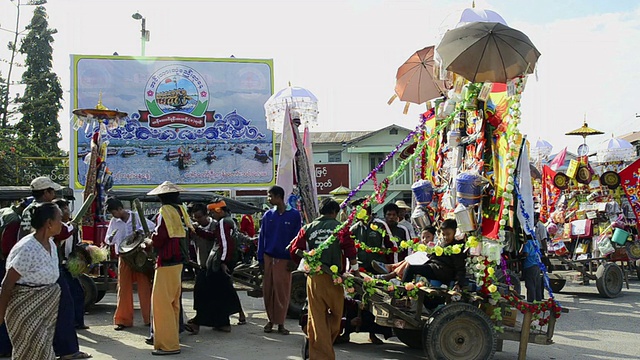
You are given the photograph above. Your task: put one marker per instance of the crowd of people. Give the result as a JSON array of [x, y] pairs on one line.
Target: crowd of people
[[38, 238]]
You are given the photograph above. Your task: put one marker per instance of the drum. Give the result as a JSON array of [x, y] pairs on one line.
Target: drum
[[138, 258]]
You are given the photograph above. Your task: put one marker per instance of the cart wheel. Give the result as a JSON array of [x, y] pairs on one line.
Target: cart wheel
[[609, 278], [557, 284], [515, 280], [90, 291], [100, 296], [459, 331], [411, 338], [298, 294]]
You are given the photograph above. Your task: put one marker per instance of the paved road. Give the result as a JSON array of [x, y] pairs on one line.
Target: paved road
[[595, 328]]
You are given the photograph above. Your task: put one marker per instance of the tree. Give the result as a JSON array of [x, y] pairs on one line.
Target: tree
[[42, 98]]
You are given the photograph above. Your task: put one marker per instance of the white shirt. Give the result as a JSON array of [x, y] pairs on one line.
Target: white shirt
[[118, 230], [31, 260]]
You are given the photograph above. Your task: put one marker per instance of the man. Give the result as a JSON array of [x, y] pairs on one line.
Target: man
[[204, 244], [279, 226], [43, 190], [120, 227], [67, 238], [397, 231], [170, 242], [365, 230], [326, 300], [531, 270], [445, 268], [403, 209]]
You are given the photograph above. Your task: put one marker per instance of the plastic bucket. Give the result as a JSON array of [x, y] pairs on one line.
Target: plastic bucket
[[423, 191], [469, 189], [619, 236]]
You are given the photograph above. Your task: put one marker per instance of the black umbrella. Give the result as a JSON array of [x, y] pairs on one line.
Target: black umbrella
[[487, 51]]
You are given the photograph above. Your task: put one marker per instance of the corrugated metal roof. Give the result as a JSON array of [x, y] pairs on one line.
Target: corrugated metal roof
[[333, 137], [631, 137], [338, 137]]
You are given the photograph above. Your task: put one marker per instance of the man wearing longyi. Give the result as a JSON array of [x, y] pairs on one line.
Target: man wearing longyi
[[170, 242], [121, 227]]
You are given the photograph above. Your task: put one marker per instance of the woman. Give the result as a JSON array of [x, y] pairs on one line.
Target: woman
[[30, 295]]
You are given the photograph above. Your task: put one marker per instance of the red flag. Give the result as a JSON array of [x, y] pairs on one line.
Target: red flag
[[558, 160], [550, 193], [630, 182]]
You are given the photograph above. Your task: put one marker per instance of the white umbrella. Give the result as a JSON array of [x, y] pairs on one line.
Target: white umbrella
[[470, 15], [302, 103], [615, 149], [541, 150]]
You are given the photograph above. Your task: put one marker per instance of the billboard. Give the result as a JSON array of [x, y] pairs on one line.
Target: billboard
[[196, 122]]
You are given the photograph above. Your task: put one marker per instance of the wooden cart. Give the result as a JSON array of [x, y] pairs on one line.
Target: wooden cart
[[454, 329]]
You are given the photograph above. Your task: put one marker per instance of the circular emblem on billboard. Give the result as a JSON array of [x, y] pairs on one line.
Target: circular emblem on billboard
[[176, 88]]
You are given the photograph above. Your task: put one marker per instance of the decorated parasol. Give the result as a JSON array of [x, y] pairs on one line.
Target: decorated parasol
[[302, 104], [584, 131], [98, 181], [285, 111], [615, 150], [541, 150]]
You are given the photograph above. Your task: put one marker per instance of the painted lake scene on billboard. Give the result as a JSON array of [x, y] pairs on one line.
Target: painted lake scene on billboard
[[197, 122]]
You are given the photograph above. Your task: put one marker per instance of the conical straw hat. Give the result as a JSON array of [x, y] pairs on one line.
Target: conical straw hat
[[165, 188]]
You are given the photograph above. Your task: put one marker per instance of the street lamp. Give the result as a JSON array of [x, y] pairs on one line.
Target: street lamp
[[144, 33]]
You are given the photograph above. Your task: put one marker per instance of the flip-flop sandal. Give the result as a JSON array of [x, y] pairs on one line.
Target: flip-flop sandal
[[242, 322], [192, 328], [119, 327], [268, 327], [283, 331], [78, 355]]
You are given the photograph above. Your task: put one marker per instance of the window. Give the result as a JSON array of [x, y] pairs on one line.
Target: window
[[393, 131], [335, 156], [375, 159]]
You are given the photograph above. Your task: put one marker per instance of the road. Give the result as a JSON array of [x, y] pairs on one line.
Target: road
[[595, 328]]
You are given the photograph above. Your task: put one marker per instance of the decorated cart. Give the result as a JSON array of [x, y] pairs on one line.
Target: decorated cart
[[590, 217], [470, 162]]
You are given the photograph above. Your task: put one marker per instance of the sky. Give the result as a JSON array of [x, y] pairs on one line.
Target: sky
[[347, 52]]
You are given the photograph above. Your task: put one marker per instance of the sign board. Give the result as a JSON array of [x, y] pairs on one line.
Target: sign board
[[195, 122], [331, 176]]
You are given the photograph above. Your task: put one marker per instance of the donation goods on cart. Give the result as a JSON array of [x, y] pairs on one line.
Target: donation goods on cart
[[467, 161], [591, 220]]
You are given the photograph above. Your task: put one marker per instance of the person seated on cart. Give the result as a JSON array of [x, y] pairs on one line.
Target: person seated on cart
[[444, 268], [397, 231], [397, 270], [365, 231]]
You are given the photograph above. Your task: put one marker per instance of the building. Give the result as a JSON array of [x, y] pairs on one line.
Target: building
[[634, 139], [345, 158]]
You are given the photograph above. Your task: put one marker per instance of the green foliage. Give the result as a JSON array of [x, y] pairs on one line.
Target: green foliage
[[42, 97]]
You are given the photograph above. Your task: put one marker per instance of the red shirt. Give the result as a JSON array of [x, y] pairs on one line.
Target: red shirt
[[247, 225], [10, 237]]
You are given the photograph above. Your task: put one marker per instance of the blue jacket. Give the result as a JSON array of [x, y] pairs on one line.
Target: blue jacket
[[276, 232]]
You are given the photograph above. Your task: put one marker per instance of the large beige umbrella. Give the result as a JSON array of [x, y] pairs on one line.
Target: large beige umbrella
[[488, 51]]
